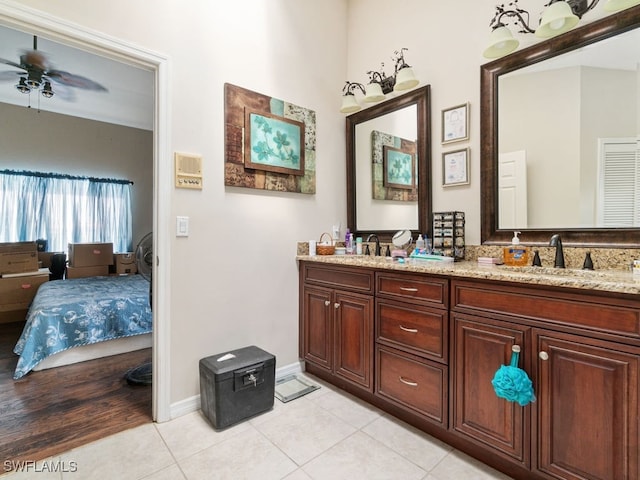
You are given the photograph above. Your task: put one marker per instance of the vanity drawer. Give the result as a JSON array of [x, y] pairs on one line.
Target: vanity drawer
[[414, 384], [589, 311], [355, 279], [420, 330], [421, 288]]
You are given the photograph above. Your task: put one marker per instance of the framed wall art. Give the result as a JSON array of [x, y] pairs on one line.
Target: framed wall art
[[273, 143], [455, 123], [394, 163], [399, 167], [455, 168], [269, 144]]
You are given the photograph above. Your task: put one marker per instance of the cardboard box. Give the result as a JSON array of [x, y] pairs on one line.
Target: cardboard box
[[82, 272], [125, 263], [18, 257], [16, 293], [90, 254]]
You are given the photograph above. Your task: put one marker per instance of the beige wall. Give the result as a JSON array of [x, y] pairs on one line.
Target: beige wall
[[48, 142], [234, 280]]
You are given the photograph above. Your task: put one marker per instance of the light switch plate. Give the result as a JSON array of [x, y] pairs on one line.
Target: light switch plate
[[182, 226]]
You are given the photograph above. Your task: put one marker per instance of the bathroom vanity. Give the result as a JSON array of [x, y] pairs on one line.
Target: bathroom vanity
[[423, 341]]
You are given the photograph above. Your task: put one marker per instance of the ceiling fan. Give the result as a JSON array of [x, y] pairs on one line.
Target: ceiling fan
[[37, 74]]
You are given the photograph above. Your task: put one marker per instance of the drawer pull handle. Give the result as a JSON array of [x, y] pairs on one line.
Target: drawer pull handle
[[327, 303], [543, 355], [410, 330], [336, 305], [409, 289], [408, 382]]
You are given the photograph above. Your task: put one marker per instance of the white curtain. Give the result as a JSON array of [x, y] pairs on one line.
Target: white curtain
[[64, 209]]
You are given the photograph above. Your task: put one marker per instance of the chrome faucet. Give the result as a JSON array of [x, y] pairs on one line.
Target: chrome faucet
[[377, 243], [556, 241]]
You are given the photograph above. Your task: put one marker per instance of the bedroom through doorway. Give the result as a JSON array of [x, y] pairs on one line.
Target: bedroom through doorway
[[91, 383]]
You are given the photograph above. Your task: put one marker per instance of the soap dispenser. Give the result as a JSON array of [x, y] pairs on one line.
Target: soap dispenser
[[516, 255]]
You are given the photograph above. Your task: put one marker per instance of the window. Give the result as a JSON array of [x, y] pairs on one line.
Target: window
[[65, 209]]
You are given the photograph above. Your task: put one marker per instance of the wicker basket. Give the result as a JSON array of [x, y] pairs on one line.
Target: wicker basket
[[325, 249]]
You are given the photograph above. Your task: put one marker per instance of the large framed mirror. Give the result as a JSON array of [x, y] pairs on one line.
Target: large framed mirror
[[399, 131], [555, 119]]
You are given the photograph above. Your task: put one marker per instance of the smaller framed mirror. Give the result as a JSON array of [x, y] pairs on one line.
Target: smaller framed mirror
[[389, 166]]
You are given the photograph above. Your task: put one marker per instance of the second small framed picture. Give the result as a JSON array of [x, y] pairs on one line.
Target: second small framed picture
[[455, 123], [455, 168]]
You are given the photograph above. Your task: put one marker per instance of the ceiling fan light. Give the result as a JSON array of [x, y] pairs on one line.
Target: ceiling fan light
[[22, 86], [501, 43], [557, 18], [47, 91], [405, 79], [374, 93], [349, 104], [615, 5]]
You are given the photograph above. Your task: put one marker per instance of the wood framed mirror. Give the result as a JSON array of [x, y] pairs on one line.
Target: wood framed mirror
[[577, 232], [405, 121]]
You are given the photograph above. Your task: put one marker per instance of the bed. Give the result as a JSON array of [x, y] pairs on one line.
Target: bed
[[69, 315]]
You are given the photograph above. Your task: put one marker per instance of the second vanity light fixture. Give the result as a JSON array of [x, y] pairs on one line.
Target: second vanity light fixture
[[379, 84], [559, 16]]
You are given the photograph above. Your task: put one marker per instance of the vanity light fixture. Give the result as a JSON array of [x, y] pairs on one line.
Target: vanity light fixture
[[559, 16], [379, 84]]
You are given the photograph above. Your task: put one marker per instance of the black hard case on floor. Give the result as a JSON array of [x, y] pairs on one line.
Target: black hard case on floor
[[237, 388]]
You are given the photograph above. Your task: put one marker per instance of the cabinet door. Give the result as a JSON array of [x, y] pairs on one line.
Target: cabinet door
[[587, 407], [354, 338], [480, 347], [317, 322]]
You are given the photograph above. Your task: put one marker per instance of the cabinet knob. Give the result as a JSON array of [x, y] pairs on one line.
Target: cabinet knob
[[336, 305], [327, 303], [543, 355]]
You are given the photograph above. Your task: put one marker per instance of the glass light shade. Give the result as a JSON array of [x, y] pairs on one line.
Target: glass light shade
[[501, 43], [349, 104], [22, 86], [405, 79], [557, 18], [615, 5], [374, 93], [47, 91]]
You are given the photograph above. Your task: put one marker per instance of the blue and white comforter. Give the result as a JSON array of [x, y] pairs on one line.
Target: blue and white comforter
[[81, 311]]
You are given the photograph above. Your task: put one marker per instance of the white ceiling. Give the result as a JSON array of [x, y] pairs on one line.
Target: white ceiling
[[129, 98]]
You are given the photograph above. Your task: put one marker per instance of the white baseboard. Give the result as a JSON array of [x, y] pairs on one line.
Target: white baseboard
[[192, 404]]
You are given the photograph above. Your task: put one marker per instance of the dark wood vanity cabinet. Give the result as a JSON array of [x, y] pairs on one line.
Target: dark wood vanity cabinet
[[581, 352], [429, 349], [336, 332], [412, 343]]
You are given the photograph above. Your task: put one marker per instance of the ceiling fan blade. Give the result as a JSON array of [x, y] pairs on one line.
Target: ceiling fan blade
[[9, 75], [13, 64], [72, 80]]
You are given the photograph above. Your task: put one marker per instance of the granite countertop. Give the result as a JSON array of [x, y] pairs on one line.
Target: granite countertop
[[618, 281]]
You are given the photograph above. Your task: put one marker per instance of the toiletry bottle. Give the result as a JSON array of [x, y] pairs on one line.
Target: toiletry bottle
[[420, 245], [359, 246], [347, 239], [516, 255], [349, 247]]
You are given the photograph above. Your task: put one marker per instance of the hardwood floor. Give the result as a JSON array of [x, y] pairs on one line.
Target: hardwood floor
[[51, 411]]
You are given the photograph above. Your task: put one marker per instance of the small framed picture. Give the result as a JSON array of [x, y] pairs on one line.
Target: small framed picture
[[455, 123], [455, 168]]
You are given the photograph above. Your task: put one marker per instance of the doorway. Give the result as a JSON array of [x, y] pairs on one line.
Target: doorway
[[25, 19]]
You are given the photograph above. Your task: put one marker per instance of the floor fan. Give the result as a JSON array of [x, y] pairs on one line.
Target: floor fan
[[142, 375]]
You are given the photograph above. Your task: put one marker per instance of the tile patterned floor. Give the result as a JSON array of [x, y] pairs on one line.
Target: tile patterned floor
[[326, 434]]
